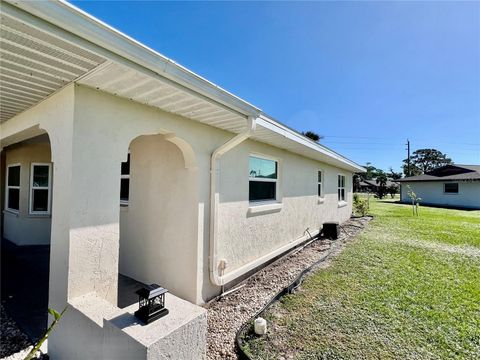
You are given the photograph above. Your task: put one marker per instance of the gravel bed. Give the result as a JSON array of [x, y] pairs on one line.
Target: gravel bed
[[14, 344], [227, 315]]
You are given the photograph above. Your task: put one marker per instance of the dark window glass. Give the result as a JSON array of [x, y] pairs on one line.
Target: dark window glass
[[262, 168], [262, 190], [319, 189], [451, 188], [14, 176], [319, 176], [126, 166], [40, 175], [13, 199], [124, 189], [40, 200]]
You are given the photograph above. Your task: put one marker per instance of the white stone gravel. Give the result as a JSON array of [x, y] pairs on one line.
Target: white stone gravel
[[227, 315]]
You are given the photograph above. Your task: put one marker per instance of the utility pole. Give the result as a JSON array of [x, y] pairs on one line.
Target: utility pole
[[408, 157]]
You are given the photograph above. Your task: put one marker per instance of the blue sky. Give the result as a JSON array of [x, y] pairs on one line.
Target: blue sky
[[366, 75]]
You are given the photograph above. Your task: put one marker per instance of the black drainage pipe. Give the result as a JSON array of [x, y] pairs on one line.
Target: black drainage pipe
[[285, 291]]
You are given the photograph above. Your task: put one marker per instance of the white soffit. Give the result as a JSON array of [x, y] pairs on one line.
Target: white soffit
[[123, 81], [35, 64]]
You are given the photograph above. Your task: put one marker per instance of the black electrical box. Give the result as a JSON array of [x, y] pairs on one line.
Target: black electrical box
[[331, 230]]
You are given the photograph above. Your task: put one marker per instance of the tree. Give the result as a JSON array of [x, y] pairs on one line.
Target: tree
[[371, 173], [425, 160], [394, 175], [356, 182], [382, 185], [312, 135], [393, 190]]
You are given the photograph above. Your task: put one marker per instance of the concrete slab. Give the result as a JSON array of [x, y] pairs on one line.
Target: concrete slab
[[24, 286]]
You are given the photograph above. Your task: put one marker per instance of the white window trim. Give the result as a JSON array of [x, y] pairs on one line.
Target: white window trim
[[49, 188], [342, 202], [451, 193], [7, 187], [321, 197], [254, 203]]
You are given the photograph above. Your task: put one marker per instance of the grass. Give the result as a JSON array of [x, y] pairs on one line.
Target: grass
[[406, 288]]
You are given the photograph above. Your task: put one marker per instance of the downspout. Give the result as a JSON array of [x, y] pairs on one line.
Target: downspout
[[214, 265]]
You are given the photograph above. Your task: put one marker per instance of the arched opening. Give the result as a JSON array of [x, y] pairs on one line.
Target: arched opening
[[158, 217], [26, 203]]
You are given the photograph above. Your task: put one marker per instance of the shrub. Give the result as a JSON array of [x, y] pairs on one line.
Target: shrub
[[360, 205]]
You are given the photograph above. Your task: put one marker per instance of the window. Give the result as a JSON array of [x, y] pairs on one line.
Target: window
[[450, 188], [125, 182], [12, 196], [40, 181], [263, 176], [320, 183], [341, 188]]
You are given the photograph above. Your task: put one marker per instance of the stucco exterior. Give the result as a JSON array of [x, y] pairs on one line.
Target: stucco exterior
[[432, 193], [163, 235], [189, 224], [22, 227]]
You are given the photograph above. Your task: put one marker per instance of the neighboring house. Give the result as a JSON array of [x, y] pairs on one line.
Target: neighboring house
[[448, 186], [372, 185], [125, 162]]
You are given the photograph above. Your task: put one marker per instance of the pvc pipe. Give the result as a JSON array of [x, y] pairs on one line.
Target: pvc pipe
[[214, 198], [260, 326]]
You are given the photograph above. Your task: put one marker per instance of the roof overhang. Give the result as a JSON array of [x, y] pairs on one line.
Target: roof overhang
[[47, 45]]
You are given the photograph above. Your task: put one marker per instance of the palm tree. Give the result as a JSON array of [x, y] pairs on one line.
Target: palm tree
[[312, 135]]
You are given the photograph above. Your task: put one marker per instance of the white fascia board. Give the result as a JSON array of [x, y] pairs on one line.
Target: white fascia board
[[82, 24], [288, 133]]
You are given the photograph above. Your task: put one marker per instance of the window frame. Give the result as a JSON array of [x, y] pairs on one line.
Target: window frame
[[48, 188], [321, 196], [451, 193], [276, 181], [127, 177], [8, 187], [344, 187]]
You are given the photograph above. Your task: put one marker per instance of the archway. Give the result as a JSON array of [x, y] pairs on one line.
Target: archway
[[26, 208], [158, 217]]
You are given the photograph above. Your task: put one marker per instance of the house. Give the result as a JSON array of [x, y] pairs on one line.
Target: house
[[372, 185], [448, 186], [124, 162]]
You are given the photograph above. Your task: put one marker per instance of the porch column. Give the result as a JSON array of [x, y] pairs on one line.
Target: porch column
[[85, 207]]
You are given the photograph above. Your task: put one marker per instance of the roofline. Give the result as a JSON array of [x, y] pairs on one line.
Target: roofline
[[78, 22], [88, 27], [294, 135], [407, 180]]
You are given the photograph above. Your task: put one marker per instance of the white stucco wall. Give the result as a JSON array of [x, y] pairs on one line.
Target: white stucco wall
[[245, 236], [159, 227], [23, 228], [90, 134], [432, 193]]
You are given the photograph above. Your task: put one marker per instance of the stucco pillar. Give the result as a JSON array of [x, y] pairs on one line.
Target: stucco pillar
[[85, 203]]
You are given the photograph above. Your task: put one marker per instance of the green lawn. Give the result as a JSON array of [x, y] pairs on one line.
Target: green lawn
[[406, 288]]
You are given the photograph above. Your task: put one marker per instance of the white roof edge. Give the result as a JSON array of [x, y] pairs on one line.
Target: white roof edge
[[291, 134], [72, 19]]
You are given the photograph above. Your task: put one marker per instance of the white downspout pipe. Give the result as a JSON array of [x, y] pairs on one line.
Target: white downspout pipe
[[214, 265]]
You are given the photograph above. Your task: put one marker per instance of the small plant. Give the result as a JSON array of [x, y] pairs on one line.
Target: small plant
[[360, 205], [415, 200], [57, 316]]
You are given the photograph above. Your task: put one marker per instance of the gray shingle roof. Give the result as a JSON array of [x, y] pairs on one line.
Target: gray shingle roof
[[448, 173]]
